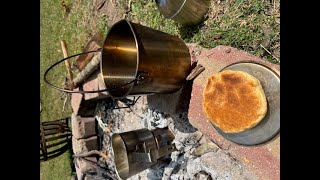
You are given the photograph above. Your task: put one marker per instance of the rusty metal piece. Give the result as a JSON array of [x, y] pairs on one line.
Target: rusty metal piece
[[195, 72], [55, 138]]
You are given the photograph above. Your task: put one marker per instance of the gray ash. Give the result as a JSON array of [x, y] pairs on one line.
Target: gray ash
[[196, 156]]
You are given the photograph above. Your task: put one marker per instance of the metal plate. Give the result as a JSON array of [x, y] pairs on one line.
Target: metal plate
[[268, 127]]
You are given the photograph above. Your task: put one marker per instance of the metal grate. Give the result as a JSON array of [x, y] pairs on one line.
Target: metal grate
[[55, 138]]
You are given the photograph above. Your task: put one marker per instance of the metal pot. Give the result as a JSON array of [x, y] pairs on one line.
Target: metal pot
[[185, 12], [155, 61], [135, 151]]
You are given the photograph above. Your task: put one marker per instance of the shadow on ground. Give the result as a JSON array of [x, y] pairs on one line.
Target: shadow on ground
[[175, 104]]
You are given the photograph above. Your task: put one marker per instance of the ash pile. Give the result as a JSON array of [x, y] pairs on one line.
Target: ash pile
[[196, 156]]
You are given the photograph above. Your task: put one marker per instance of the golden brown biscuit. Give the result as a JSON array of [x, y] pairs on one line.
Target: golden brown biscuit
[[234, 101]]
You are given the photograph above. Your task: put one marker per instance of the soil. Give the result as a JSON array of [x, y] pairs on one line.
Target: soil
[[111, 9]]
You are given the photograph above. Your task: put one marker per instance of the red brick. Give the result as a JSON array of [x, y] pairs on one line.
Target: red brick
[[76, 99], [92, 84], [81, 146], [84, 166], [85, 104], [83, 127], [81, 107], [84, 145]]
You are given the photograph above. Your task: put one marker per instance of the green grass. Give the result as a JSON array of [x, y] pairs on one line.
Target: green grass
[[243, 24], [147, 14], [75, 28]]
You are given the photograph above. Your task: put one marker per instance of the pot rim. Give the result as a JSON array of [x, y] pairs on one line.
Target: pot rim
[[137, 59]]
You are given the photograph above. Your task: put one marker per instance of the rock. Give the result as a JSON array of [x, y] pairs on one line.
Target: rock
[[154, 119], [193, 166], [140, 176], [205, 148], [228, 50], [202, 176], [185, 141], [222, 167], [204, 139]]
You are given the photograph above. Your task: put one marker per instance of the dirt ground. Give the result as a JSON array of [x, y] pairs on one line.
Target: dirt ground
[[111, 9]]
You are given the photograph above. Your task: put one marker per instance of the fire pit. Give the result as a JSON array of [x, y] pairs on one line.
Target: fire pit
[[200, 152], [196, 155]]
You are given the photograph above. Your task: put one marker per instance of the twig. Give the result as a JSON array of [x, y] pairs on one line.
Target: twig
[[101, 5], [129, 9], [67, 63], [68, 98], [90, 153], [64, 103], [62, 94], [129, 6], [270, 53]]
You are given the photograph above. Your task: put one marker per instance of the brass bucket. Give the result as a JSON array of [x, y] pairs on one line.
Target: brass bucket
[[136, 151], [185, 12], [155, 61]]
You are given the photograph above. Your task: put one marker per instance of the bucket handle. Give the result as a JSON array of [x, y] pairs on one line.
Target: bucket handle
[[139, 79]]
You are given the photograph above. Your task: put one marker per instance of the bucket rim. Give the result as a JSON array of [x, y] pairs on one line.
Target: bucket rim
[[113, 136], [137, 59], [173, 13], [178, 11]]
